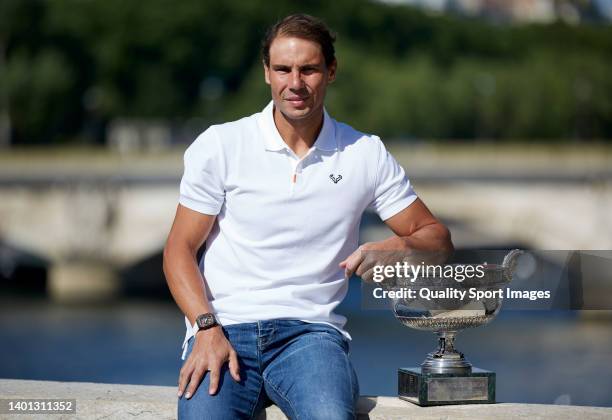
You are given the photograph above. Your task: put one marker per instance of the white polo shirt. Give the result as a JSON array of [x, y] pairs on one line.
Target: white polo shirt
[[284, 223]]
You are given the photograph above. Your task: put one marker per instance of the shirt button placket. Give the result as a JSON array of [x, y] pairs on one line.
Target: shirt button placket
[[295, 164]]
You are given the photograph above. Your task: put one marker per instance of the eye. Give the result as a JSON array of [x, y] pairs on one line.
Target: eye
[[308, 70]]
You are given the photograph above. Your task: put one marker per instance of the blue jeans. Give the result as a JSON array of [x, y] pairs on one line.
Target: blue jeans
[[301, 367]]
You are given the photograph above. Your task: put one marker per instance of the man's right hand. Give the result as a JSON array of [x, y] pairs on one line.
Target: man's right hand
[[211, 350]]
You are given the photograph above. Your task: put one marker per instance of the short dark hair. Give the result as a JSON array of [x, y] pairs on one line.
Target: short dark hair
[[301, 26]]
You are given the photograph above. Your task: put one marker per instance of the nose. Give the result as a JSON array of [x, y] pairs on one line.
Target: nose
[[296, 81]]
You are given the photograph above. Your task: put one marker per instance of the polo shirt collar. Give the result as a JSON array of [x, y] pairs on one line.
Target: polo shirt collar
[[273, 141]]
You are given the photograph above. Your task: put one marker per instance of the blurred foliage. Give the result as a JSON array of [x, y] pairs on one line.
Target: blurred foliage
[[68, 66]]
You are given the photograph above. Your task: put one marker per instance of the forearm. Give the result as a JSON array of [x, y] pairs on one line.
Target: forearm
[[434, 238], [185, 281]]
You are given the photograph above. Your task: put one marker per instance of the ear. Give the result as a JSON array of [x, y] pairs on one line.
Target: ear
[[331, 71], [266, 72]]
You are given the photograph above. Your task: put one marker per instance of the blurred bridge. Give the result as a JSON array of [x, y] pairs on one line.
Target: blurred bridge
[[87, 221]]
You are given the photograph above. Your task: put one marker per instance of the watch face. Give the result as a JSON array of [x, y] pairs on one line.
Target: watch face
[[206, 320]]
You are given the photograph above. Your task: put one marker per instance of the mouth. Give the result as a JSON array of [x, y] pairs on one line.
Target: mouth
[[296, 100]]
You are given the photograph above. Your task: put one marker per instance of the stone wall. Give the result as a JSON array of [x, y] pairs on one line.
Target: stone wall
[[112, 401]]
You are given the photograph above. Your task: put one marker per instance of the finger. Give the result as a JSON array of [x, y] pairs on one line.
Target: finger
[[194, 381], [367, 263], [184, 377], [234, 366], [347, 260], [346, 264], [362, 268], [368, 276], [214, 380], [353, 262]]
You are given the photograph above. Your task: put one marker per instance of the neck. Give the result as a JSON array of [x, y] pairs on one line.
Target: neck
[[301, 134]]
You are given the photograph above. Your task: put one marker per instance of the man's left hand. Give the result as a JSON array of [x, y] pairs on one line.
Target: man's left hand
[[367, 256]]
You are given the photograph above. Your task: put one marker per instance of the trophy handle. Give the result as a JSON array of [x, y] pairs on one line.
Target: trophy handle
[[510, 261]]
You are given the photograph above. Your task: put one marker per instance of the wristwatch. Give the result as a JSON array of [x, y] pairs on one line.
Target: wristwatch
[[206, 321]]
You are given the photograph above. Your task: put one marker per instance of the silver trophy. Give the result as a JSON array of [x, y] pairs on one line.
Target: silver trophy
[[446, 376]]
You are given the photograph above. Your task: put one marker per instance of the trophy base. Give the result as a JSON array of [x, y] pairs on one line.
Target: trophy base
[[425, 389]]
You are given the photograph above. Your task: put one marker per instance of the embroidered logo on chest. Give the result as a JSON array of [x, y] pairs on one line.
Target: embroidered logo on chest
[[335, 179]]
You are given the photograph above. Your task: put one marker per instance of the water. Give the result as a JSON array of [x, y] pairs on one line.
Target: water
[[539, 356]]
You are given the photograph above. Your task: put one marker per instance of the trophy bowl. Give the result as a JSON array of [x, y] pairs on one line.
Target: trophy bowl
[[446, 317]]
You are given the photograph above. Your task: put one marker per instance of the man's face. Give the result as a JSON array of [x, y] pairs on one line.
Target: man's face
[[298, 77]]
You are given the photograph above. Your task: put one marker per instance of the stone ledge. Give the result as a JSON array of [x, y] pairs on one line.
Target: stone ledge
[[98, 401]]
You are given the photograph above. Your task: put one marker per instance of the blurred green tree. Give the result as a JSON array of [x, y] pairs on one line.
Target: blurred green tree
[[68, 65]]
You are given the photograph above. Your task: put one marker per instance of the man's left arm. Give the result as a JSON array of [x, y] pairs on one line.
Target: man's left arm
[[416, 231]]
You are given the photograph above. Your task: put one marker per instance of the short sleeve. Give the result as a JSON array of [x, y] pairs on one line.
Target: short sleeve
[[392, 191], [202, 186]]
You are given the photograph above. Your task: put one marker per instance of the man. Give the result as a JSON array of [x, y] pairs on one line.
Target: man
[[277, 198]]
